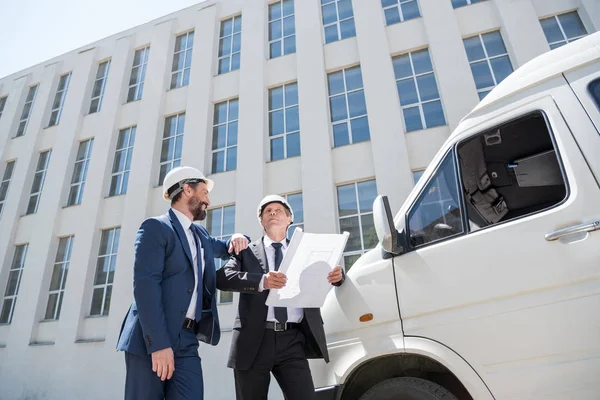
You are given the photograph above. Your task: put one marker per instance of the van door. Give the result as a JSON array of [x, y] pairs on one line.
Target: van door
[[489, 274], [585, 122]]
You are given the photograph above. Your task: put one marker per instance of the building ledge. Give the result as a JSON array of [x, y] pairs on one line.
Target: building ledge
[[41, 343], [90, 340]]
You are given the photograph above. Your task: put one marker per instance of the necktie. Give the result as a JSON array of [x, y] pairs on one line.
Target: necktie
[[199, 299], [280, 312]]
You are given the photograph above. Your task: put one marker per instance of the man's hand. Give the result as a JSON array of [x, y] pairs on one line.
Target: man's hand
[[335, 275], [274, 280], [163, 363], [238, 243]]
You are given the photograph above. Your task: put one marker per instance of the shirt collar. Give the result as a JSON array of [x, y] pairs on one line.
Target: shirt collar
[[185, 222], [268, 241]]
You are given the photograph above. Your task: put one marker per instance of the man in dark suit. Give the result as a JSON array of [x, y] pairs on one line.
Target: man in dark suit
[[174, 294], [266, 339]]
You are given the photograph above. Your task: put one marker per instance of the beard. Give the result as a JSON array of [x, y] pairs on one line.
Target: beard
[[196, 208]]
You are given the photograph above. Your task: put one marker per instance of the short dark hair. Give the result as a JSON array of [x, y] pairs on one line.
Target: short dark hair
[[176, 198]]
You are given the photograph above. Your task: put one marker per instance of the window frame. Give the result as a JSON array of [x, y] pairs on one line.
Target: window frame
[[565, 39], [469, 3], [62, 283], [285, 134], [398, 5], [488, 61], [128, 150], [54, 121], [420, 103], [43, 172], [226, 148], [337, 22], [113, 249], [19, 268], [79, 186], [24, 120], [171, 159], [102, 82], [279, 19], [3, 101], [231, 53], [498, 123], [179, 74], [6, 180], [138, 85]]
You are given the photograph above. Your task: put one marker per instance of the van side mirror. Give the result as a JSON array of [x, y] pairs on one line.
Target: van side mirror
[[391, 240]]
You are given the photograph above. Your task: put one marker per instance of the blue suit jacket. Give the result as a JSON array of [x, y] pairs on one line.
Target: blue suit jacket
[[163, 283]]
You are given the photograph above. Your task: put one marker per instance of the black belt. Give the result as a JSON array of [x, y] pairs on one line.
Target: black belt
[[189, 323], [279, 327]]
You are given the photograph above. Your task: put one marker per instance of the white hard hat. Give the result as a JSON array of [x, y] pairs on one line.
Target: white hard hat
[[177, 177], [273, 198]]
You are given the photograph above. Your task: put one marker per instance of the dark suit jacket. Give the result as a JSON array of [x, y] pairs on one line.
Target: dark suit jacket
[[163, 283], [242, 274]]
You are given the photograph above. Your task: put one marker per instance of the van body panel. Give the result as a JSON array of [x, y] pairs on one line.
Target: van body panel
[[503, 297]]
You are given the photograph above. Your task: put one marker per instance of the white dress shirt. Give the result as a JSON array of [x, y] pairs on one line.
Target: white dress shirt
[[294, 314], [186, 223]]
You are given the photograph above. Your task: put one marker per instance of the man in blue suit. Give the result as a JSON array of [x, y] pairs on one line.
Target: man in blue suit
[[174, 287]]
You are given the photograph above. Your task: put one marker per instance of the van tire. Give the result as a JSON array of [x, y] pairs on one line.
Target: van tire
[[407, 389]]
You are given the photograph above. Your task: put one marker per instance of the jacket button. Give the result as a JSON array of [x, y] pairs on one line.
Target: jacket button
[[190, 291]]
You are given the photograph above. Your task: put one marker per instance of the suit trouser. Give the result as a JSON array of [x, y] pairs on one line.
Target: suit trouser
[[185, 384], [281, 353]]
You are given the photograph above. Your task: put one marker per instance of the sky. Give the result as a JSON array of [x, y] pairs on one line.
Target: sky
[[33, 31]]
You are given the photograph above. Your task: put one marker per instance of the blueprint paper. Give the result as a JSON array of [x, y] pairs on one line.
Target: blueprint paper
[[308, 260]]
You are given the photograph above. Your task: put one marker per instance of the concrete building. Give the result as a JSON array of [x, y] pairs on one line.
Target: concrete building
[[329, 102]]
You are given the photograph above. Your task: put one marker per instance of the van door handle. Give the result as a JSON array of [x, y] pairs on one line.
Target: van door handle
[[585, 227]]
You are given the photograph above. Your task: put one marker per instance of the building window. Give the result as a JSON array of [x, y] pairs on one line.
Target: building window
[[460, 3], [59, 99], [12, 286], [400, 10], [355, 210], [225, 134], [220, 224], [563, 29], [295, 201], [26, 113], [338, 20], [138, 74], [2, 104], [99, 86], [38, 182], [489, 61], [282, 29], [105, 271], [182, 60], [348, 107], [418, 91], [170, 154], [230, 44], [82, 164], [284, 122], [122, 162], [8, 172], [58, 282], [417, 175]]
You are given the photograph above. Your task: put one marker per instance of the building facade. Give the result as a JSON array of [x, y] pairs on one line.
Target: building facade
[[328, 102]]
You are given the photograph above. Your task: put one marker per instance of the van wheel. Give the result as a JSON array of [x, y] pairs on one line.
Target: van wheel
[[407, 389]]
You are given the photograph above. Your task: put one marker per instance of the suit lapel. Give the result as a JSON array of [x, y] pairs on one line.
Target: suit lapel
[[209, 275], [258, 248], [181, 235]]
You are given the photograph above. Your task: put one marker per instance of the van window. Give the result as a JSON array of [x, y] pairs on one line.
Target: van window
[[437, 215], [595, 91], [510, 171]]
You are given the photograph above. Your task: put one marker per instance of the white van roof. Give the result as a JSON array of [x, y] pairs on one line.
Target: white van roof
[[543, 67]]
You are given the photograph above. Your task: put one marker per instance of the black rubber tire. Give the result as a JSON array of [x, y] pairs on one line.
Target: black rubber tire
[[407, 389]]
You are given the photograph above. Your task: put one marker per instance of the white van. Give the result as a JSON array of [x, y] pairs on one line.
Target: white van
[[486, 284]]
